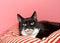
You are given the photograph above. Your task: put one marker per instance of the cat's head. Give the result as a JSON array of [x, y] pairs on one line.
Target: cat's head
[[28, 23]]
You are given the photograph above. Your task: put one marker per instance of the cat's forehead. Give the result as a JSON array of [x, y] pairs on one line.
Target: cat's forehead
[[28, 19]]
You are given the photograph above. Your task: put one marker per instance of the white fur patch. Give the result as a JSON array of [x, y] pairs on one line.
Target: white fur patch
[[33, 33]]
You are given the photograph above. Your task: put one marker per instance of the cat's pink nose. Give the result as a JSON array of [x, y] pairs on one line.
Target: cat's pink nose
[[28, 26]]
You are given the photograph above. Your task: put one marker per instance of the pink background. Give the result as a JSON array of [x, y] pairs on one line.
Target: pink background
[[46, 10]]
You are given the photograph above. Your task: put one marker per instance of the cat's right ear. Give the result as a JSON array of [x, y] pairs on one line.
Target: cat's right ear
[[34, 15], [20, 18]]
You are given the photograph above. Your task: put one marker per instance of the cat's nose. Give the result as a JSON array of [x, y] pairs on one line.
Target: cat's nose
[[29, 27]]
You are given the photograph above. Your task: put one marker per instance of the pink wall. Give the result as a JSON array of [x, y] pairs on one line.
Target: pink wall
[[46, 10]]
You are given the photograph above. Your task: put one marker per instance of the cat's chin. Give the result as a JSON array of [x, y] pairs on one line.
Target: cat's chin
[[29, 31]]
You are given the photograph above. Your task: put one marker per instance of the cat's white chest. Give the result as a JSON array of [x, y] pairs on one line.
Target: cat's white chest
[[33, 33]]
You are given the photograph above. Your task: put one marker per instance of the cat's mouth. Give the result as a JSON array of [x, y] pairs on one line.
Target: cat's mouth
[[29, 31]]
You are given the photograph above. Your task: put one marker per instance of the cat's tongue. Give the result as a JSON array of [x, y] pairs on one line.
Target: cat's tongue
[[28, 30]]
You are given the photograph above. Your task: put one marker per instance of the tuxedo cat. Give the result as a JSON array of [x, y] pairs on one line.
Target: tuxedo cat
[[31, 27]]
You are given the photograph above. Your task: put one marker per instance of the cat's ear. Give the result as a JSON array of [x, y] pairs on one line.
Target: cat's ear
[[20, 18], [34, 15]]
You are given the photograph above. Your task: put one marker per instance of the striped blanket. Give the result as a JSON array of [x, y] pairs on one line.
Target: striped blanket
[[12, 38]]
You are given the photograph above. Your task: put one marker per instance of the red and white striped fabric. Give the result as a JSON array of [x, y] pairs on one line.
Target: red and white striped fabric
[[53, 38], [11, 38]]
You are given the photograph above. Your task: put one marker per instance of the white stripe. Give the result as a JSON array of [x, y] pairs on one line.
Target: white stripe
[[53, 38], [31, 40], [41, 42], [27, 40], [58, 31], [56, 39], [9, 41], [18, 39], [22, 39], [37, 41], [52, 35]]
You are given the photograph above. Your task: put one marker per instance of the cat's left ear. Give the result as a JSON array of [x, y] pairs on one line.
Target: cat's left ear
[[20, 18], [34, 15]]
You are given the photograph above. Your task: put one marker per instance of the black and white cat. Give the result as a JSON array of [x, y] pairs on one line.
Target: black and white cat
[[31, 27]]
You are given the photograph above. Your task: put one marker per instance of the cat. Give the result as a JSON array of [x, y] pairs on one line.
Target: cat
[[38, 29]]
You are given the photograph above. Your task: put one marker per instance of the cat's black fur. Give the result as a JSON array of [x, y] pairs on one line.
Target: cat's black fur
[[46, 27]]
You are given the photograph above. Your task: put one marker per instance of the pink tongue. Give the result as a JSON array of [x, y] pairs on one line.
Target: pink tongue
[[28, 30]]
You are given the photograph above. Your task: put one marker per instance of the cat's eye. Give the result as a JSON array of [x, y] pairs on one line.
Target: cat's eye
[[32, 23], [24, 24]]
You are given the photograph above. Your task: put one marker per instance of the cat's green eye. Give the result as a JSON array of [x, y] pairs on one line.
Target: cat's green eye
[[32, 23], [24, 24]]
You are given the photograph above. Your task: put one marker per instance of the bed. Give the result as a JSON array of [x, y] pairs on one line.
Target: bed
[[12, 36]]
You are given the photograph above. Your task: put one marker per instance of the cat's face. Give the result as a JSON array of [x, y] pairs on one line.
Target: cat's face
[[28, 24]]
